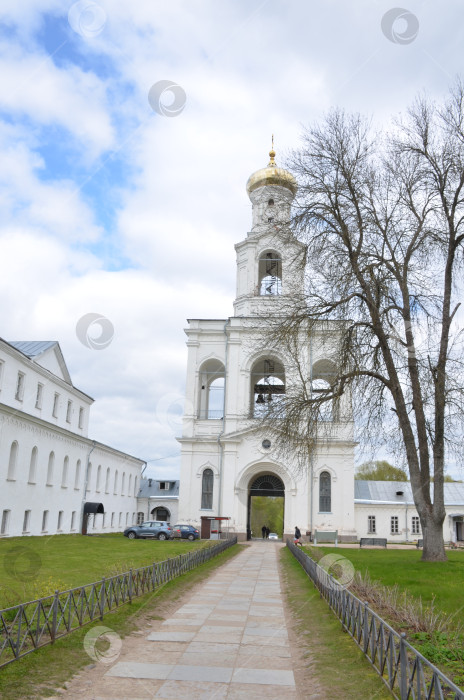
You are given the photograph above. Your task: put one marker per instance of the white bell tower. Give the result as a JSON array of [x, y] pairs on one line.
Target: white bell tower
[[268, 259]]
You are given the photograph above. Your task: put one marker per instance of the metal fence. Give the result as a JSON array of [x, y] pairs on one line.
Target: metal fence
[[403, 669], [28, 626]]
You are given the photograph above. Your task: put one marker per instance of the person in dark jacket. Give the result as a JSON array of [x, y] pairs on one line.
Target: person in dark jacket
[[297, 536]]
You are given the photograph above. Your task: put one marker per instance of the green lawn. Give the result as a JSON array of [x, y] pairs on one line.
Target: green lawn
[[439, 581], [36, 566]]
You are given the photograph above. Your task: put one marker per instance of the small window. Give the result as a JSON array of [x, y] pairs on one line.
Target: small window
[[69, 412], [139, 518], [98, 484], [164, 485], [20, 386], [45, 521], [73, 520], [50, 468], [56, 400], [33, 466], [415, 525], [81, 418], [27, 520], [271, 202], [60, 520], [104, 520], [394, 524], [115, 484], [207, 489], [12, 461], [77, 475], [112, 519], [64, 474], [5, 522], [39, 395], [120, 519], [88, 476], [371, 524], [123, 483], [107, 480], [127, 518]]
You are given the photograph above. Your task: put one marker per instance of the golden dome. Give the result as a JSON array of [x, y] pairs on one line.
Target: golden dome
[[272, 175]]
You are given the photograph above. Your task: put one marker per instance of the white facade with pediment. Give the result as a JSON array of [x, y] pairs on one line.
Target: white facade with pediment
[[54, 478], [230, 376]]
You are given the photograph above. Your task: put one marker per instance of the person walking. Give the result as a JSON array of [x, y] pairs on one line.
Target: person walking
[[267, 532], [297, 536], [263, 530]]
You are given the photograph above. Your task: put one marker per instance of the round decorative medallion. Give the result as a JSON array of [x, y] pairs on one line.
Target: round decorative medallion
[[266, 444]]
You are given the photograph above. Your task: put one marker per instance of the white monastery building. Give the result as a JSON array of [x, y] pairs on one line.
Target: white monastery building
[[230, 379], [55, 479]]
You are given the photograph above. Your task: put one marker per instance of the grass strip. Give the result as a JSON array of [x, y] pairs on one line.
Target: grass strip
[[42, 672], [335, 660]]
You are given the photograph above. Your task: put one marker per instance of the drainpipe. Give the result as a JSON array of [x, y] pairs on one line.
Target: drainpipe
[[86, 480], [407, 538], [311, 459], [221, 447]]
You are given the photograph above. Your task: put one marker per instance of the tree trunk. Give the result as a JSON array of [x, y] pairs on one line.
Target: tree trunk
[[434, 548]]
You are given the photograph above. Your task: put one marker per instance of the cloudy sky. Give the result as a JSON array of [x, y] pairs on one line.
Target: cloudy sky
[[123, 198]]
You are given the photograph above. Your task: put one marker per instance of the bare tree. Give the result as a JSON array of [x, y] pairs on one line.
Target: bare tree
[[381, 217]]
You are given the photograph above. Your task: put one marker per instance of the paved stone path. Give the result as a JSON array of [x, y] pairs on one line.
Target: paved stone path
[[229, 640]]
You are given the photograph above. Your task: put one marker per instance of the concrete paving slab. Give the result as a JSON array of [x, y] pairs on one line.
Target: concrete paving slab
[[263, 676], [213, 674], [166, 636], [188, 690], [133, 669]]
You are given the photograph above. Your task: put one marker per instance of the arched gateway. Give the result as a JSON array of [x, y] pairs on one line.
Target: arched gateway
[[259, 513]]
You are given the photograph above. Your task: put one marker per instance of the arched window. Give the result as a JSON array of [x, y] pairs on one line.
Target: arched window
[[130, 485], [115, 485], [77, 475], [99, 473], [136, 486], [140, 517], [123, 483], [270, 274], [51, 466], [33, 466], [161, 514], [323, 379], [107, 480], [212, 380], [89, 475], [64, 473], [207, 489], [12, 461], [325, 493], [267, 387]]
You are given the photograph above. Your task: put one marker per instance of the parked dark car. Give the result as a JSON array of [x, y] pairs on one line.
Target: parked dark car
[[186, 532], [153, 529]]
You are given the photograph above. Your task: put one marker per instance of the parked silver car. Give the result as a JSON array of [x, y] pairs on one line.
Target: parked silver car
[[150, 529]]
